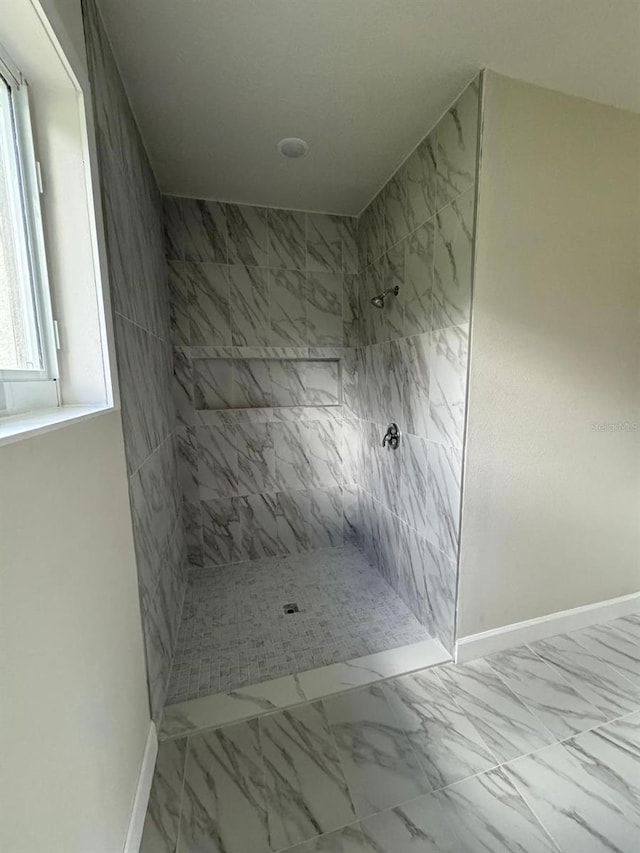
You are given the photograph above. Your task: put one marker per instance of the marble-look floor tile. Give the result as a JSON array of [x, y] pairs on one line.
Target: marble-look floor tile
[[506, 725], [306, 791], [610, 692], [616, 643], [347, 840], [224, 806], [481, 815], [557, 705], [160, 834], [586, 791], [447, 744], [378, 761]]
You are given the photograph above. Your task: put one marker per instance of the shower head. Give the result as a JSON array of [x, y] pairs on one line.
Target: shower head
[[378, 301]]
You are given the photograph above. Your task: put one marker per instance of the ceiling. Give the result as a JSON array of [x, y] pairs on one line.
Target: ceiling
[[216, 83]]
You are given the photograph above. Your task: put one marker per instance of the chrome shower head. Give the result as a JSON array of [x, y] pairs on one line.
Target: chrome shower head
[[378, 301]]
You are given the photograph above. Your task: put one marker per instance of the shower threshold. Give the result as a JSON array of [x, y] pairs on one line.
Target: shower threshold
[[269, 634]]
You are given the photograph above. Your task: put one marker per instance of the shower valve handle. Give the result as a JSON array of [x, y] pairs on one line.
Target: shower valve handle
[[392, 437]]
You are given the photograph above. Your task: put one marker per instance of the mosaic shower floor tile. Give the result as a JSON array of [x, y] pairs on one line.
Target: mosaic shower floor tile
[[236, 629]]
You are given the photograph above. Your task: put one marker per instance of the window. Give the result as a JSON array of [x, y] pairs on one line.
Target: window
[[27, 341]]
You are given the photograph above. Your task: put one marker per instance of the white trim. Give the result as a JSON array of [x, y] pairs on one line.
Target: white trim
[[30, 424], [488, 642], [141, 799]]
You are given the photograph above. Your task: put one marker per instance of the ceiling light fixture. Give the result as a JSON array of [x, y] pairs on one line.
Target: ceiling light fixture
[[293, 147]]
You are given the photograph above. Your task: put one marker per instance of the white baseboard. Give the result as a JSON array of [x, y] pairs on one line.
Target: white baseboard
[[488, 642], [141, 799]]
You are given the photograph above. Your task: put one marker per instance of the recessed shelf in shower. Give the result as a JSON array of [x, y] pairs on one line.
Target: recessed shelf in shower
[[259, 383]]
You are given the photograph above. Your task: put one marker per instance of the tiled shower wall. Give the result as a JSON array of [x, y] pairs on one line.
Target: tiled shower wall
[[138, 277], [409, 365], [257, 328]]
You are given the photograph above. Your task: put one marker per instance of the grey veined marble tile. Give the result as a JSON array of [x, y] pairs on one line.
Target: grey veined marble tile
[[249, 295], [306, 791], [453, 254], [457, 146], [324, 242], [209, 310], [448, 746], [448, 384], [347, 840], [205, 230], [616, 643], [561, 708], [247, 234], [224, 806], [160, 833], [287, 240], [586, 791], [378, 761], [597, 681], [480, 815], [507, 726]]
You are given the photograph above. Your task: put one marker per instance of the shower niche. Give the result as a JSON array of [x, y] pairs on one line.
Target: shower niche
[[265, 383]]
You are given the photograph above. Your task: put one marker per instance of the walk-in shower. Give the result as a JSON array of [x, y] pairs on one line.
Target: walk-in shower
[[312, 543]]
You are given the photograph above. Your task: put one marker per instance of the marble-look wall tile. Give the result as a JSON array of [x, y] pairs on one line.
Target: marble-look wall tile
[[247, 235], [213, 384], [443, 497], [453, 263], [287, 244], [205, 230], [448, 384], [251, 384], [221, 535], [179, 299], [324, 308], [350, 310], [217, 462], [183, 393], [249, 295], [259, 526], [288, 296], [256, 458], [414, 354], [209, 308], [321, 383], [324, 237], [292, 521], [457, 146], [427, 584], [418, 280], [325, 520], [350, 256], [172, 229]]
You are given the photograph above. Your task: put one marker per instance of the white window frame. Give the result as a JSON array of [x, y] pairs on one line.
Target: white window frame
[[26, 390]]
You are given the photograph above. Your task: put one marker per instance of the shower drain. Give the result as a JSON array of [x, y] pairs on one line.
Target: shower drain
[[291, 608]]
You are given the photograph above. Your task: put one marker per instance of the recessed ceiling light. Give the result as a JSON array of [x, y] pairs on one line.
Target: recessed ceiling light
[[293, 147]]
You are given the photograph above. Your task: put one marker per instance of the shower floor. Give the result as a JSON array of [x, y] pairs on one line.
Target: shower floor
[[234, 631]]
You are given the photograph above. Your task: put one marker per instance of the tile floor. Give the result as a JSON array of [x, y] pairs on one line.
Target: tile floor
[[533, 750], [234, 631]]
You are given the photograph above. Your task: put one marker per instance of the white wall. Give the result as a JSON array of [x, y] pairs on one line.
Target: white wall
[[551, 507], [74, 714]]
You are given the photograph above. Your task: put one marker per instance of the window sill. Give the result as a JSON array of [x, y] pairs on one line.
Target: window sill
[[30, 424]]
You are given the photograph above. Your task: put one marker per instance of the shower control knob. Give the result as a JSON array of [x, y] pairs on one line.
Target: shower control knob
[[392, 437]]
